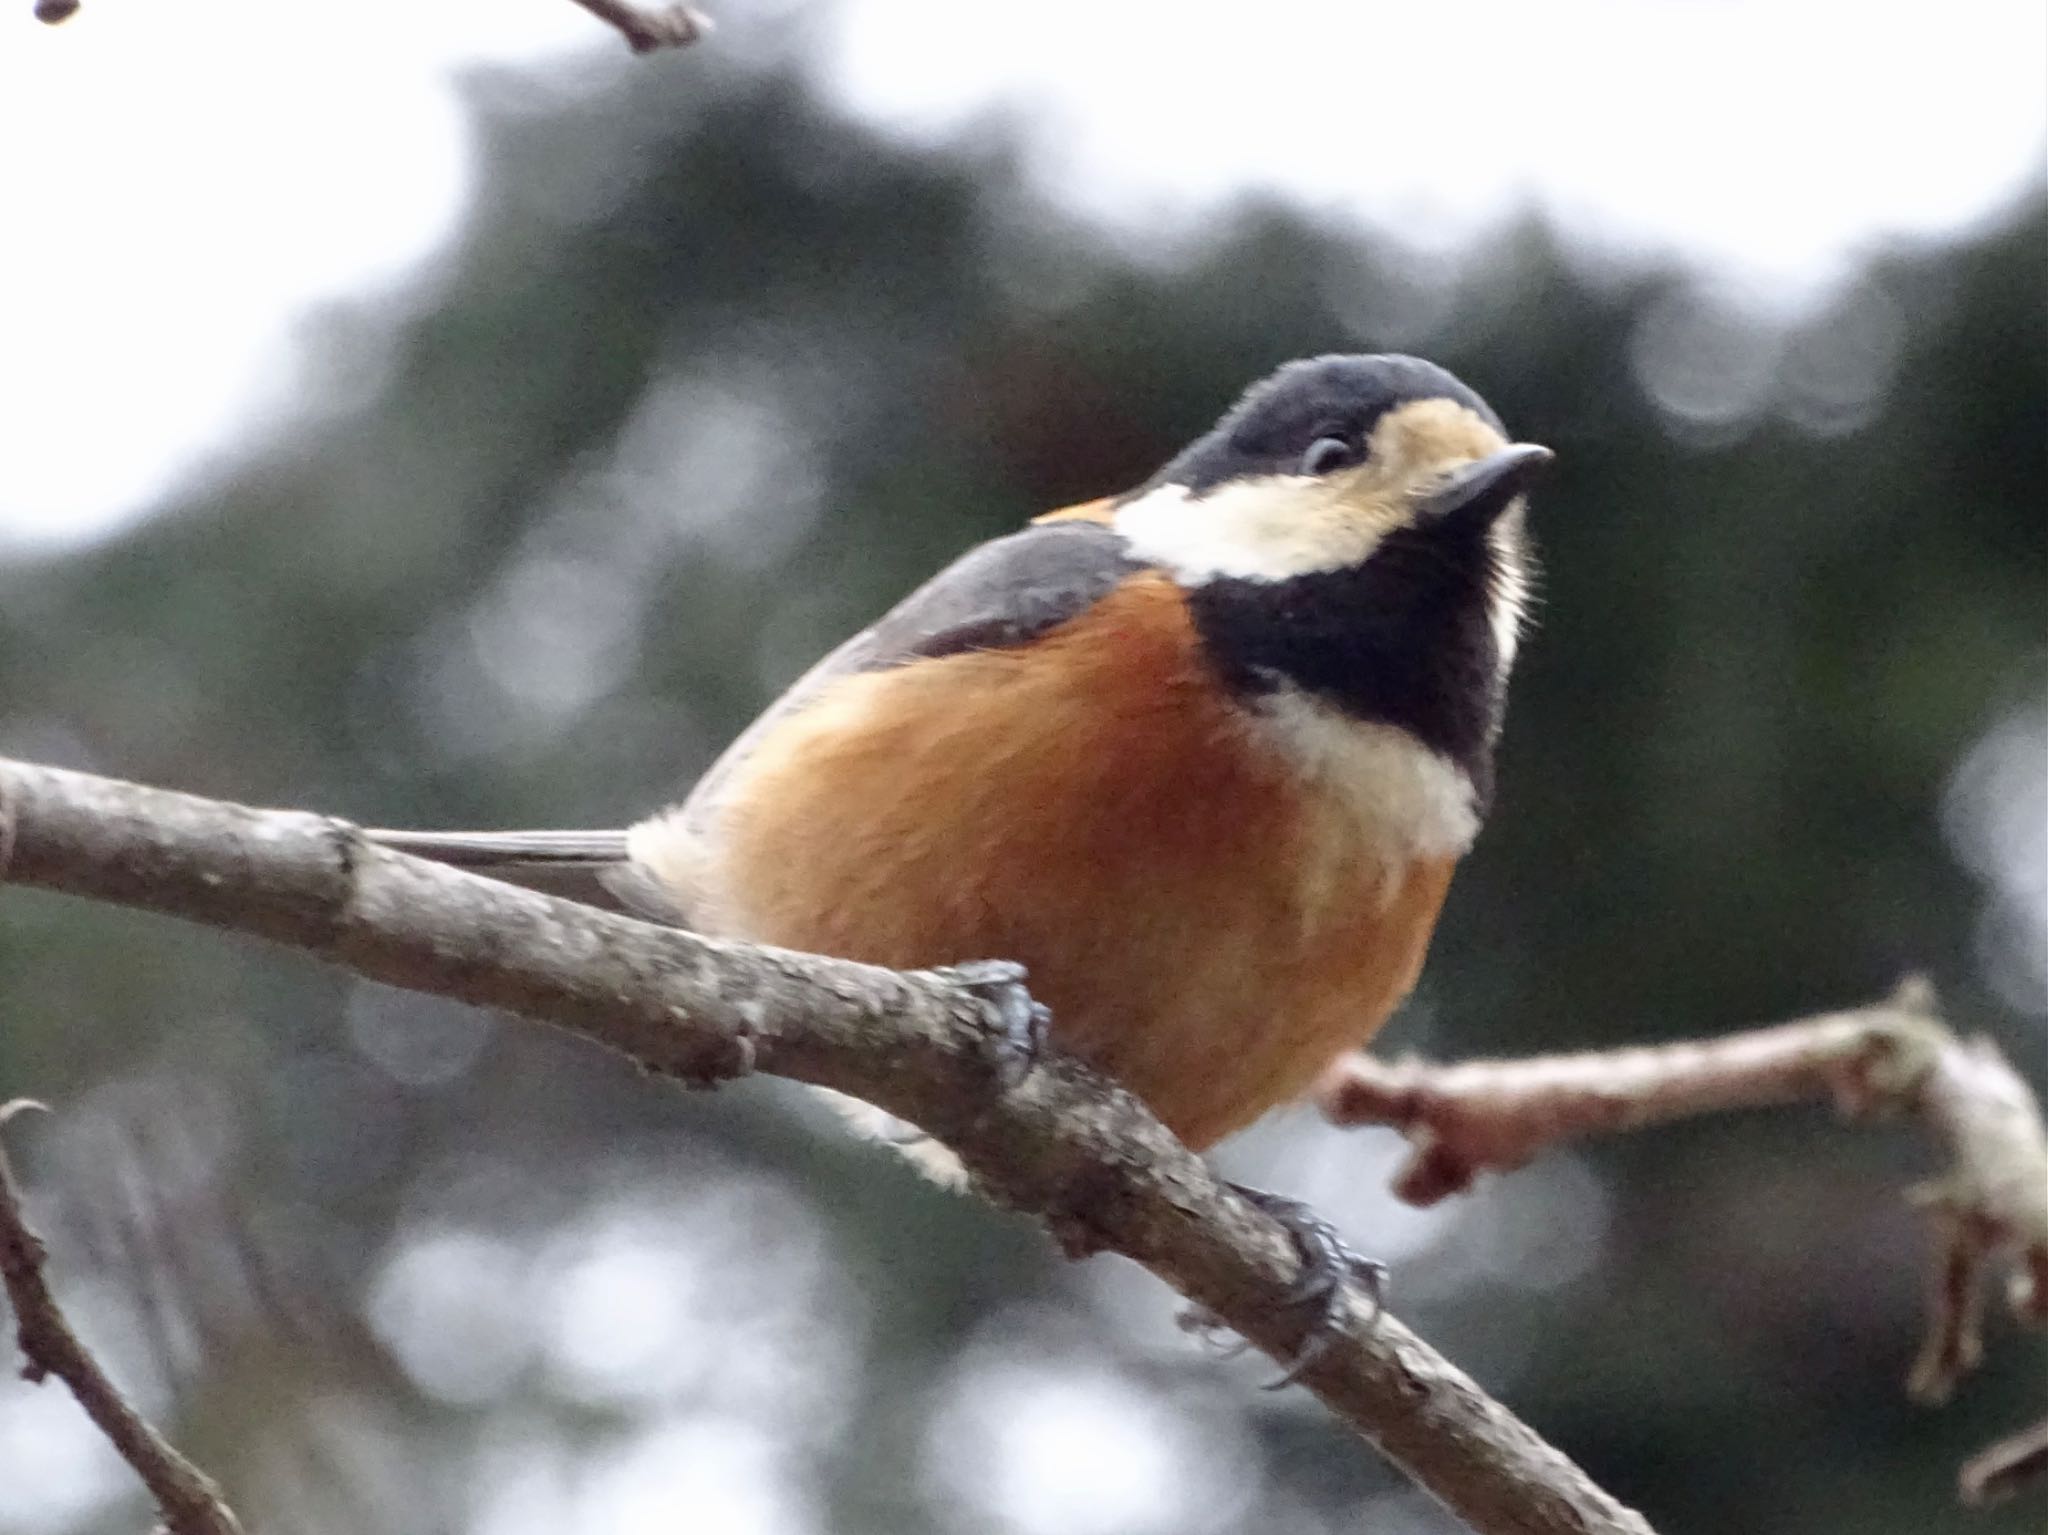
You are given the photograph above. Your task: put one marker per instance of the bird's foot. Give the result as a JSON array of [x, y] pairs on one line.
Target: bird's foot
[[1326, 1264], [1022, 1021]]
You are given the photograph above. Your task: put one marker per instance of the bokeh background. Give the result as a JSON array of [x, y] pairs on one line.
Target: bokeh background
[[446, 419]]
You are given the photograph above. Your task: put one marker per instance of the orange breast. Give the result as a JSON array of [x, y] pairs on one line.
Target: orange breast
[[1205, 925]]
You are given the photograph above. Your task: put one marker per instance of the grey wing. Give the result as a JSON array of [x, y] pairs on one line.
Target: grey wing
[[1003, 593]]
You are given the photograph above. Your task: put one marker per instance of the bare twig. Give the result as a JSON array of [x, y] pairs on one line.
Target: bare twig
[[647, 28], [1063, 1144], [189, 1501], [1992, 1475], [1990, 1208]]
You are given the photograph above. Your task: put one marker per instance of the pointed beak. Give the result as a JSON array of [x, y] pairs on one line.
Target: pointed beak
[[1475, 494]]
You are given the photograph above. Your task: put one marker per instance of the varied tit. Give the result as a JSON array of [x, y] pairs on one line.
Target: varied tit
[[1201, 756]]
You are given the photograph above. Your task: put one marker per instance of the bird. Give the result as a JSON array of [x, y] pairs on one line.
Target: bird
[[1201, 757]]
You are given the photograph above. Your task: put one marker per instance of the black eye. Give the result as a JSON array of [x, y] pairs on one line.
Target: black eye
[[1327, 453]]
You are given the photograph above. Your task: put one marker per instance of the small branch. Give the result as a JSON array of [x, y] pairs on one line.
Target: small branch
[[1995, 1474], [647, 28], [1990, 1209], [1064, 1144], [189, 1501]]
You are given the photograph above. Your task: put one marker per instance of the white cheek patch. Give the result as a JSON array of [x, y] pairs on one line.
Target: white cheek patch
[[1268, 529], [1404, 796]]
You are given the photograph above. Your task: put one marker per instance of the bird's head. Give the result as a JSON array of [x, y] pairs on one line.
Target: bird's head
[[1354, 529]]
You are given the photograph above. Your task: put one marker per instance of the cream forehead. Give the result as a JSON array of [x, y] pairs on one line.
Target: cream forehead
[[1426, 435]]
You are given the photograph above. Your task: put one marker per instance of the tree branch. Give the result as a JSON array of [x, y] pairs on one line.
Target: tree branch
[[1063, 1144], [647, 28], [1990, 1209], [1994, 1474], [188, 1499]]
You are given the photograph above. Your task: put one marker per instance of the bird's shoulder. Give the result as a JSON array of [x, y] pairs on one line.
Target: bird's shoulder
[[999, 595]]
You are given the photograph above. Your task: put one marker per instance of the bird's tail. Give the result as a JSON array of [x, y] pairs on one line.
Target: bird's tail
[[593, 867], [497, 850]]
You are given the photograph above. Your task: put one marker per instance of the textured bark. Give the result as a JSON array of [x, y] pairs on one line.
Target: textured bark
[[1062, 1143]]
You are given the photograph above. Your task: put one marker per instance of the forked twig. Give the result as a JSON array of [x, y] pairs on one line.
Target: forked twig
[[186, 1496], [1897, 1057]]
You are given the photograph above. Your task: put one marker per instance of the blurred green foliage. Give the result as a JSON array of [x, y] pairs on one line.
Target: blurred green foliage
[[710, 378]]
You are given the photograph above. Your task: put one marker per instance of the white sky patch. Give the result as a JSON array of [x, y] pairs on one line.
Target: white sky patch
[[183, 182], [180, 183], [1775, 136], [56, 1469]]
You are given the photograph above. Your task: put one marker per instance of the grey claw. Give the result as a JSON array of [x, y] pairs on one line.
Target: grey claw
[[1022, 1019], [1209, 1329], [1326, 1263]]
